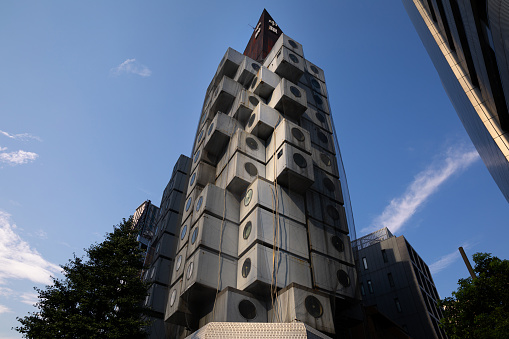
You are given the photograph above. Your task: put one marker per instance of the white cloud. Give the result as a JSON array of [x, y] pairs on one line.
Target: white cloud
[[427, 182], [29, 298], [18, 260], [18, 158], [3, 149], [21, 136], [5, 291], [4, 309], [446, 260], [131, 66], [41, 234]]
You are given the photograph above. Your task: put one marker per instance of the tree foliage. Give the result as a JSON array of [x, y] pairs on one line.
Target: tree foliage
[[480, 307], [101, 297]]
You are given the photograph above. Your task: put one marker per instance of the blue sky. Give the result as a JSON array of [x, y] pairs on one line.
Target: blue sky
[[98, 100]]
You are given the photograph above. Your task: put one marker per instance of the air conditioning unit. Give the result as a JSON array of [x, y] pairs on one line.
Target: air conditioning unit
[[156, 298], [219, 133], [178, 265], [257, 271], [317, 85], [218, 202], [326, 210], [287, 64], [327, 185], [262, 226], [244, 105], [165, 246], [229, 64], [233, 305], [319, 136], [263, 193], [160, 271], [202, 155], [288, 132], [264, 83], [210, 232], [204, 270], [244, 143], [329, 241], [289, 99], [318, 118], [247, 71], [240, 172], [224, 96], [287, 42], [333, 276], [298, 303], [325, 160], [292, 168], [315, 71], [192, 196], [202, 175], [262, 121]]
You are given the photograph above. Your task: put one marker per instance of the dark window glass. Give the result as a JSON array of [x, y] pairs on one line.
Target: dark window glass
[[398, 305], [247, 309], [313, 306], [363, 291], [391, 279], [294, 91], [300, 160], [365, 263], [384, 256], [370, 286]]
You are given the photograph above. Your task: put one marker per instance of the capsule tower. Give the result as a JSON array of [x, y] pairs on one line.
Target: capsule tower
[[264, 237]]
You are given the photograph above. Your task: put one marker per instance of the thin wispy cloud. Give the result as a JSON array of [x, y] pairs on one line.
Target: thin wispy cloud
[[3, 149], [427, 182], [131, 66], [29, 298], [18, 260], [4, 309], [21, 136], [17, 158], [446, 261]]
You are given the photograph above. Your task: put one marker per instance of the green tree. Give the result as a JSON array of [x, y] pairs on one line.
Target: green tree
[[480, 307], [101, 297]]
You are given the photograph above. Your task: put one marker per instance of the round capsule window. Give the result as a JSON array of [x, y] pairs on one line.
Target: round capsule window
[[328, 184], [313, 306], [253, 100], [293, 58], [211, 128], [173, 297], [318, 100], [193, 178], [188, 203], [292, 43], [200, 135], [343, 278], [332, 212], [251, 143], [248, 197], [178, 263], [295, 91], [183, 232], [251, 120], [300, 160], [337, 243], [190, 270], [320, 117], [315, 83], [322, 137], [314, 69], [197, 156], [253, 83], [247, 230], [194, 236], [325, 159], [255, 66], [199, 203], [251, 169], [297, 134], [246, 267], [247, 309]]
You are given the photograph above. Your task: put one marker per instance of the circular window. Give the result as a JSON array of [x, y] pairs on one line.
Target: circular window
[[332, 212], [255, 66], [253, 100], [190, 270], [313, 306], [343, 278], [292, 43], [189, 202], [183, 232], [198, 204], [314, 69], [247, 198], [194, 236], [197, 156], [247, 309], [178, 263], [246, 267], [297, 134], [337, 243], [329, 185], [315, 83], [325, 159], [295, 91], [322, 137], [294, 58], [251, 169], [318, 100], [251, 120], [247, 230], [193, 177], [320, 117], [299, 160], [254, 82], [201, 135], [211, 127], [173, 297], [251, 143]]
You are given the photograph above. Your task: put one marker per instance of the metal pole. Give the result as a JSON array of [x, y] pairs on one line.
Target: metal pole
[[467, 263]]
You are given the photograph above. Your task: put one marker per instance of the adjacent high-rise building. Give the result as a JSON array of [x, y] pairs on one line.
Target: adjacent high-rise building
[[467, 42], [394, 279]]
